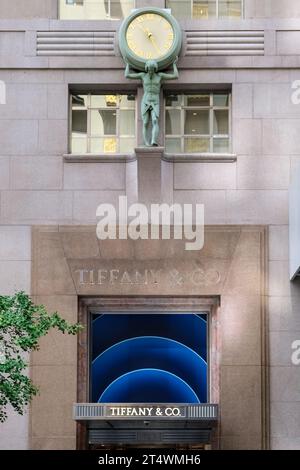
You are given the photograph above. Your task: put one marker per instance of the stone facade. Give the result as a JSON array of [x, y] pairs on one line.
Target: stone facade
[[38, 186]]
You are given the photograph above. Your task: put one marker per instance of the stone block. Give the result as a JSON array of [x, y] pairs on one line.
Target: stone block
[[18, 137], [281, 137], [281, 348], [94, 176], [288, 42], [284, 314], [278, 242], [15, 243], [257, 207], [14, 431], [208, 176], [57, 96], [57, 348], [263, 76], [240, 389], [53, 137], [4, 173], [53, 443], [36, 173], [241, 339], [274, 100], [242, 100], [263, 173], [285, 418], [32, 206], [57, 392], [80, 245], [279, 281], [86, 203], [285, 443], [25, 101], [247, 136], [285, 384], [14, 276], [214, 203]]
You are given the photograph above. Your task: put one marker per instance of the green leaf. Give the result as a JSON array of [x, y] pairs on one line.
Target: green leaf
[[22, 324]]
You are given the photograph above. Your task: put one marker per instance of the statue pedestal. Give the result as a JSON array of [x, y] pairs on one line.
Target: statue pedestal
[[149, 173]]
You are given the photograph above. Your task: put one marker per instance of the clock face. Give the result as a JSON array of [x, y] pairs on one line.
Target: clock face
[[150, 36]]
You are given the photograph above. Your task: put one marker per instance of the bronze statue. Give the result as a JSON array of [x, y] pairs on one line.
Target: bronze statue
[[152, 81]]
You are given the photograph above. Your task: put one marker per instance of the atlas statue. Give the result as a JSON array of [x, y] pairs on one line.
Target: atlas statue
[[150, 107]]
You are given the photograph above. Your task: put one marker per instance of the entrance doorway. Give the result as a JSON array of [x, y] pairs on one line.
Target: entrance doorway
[[147, 374]]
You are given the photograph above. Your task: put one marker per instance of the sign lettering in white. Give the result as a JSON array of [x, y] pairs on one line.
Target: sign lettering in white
[[146, 411]]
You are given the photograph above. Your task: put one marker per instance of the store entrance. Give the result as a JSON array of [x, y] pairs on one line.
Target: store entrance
[[128, 434], [147, 374]]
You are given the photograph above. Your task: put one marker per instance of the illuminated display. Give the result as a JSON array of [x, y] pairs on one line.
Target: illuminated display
[[149, 358]]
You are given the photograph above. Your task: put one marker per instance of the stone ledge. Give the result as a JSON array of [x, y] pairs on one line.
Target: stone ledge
[[200, 157], [151, 152], [98, 158]]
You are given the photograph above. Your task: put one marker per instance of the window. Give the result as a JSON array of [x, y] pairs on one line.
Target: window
[[94, 9], [206, 9], [197, 123], [103, 123], [149, 358]]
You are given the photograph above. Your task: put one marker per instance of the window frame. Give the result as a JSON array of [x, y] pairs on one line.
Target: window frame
[[107, 18], [217, 17], [89, 108], [211, 136]]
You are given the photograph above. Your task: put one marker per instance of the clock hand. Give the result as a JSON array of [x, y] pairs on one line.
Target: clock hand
[[144, 30], [154, 43]]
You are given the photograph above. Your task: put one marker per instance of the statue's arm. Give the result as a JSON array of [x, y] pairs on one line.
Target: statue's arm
[[171, 76], [133, 75]]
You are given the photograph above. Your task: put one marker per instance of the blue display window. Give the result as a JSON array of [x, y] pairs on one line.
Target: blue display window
[[149, 358]]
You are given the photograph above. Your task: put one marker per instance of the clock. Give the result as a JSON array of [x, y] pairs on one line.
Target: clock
[[150, 34]]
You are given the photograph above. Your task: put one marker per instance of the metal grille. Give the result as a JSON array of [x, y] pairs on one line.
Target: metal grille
[[88, 411], [225, 43], [75, 43], [203, 411]]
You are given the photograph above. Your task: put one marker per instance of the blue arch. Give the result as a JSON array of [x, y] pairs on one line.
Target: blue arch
[[153, 385], [149, 352]]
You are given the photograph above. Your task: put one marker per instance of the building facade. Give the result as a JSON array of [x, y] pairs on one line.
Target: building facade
[[71, 139]]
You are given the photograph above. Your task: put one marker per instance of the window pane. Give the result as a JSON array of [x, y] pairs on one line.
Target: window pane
[[230, 9], [221, 145], [79, 121], [120, 9], [127, 123], [105, 145], [127, 101], [127, 145], [221, 122], [196, 145], [173, 145], [221, 100], [79, 101], [173, 100], [103, 122], [180, 8], [173, 121], [79, 144], [196, 100], [203, 9], [196, 122], [94, 9], [104, 101]]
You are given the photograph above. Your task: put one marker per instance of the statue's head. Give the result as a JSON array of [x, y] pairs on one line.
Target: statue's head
[[151, 66]]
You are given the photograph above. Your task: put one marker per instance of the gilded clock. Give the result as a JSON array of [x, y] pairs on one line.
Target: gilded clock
[[150, 34]]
